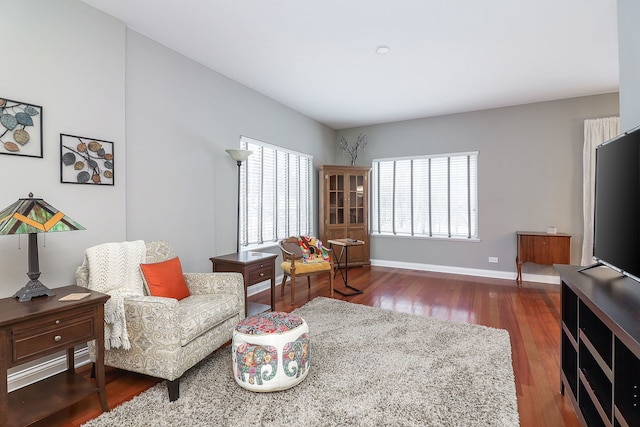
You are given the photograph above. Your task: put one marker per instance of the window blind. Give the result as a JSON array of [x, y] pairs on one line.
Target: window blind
[[275, 194], [433, 196]]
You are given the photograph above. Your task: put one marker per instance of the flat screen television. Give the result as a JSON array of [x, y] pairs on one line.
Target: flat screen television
[[616, 238]]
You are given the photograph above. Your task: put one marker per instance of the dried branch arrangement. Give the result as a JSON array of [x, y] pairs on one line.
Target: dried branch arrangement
[[352, 150]]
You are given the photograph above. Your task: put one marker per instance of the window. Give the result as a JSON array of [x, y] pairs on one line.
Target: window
[[275, 194], [431, 196]]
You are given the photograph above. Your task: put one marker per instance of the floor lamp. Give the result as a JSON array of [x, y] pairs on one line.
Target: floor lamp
[[239, 156]]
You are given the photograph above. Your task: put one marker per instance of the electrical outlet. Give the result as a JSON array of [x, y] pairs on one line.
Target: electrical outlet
[[493, 259]]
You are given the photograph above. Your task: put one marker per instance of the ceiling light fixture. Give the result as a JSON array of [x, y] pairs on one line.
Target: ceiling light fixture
[[381, 50]]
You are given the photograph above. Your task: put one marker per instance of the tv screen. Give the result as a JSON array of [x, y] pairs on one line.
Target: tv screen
[[616, 240]]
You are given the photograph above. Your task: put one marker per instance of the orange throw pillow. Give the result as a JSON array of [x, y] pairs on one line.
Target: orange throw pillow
[[165, 279]]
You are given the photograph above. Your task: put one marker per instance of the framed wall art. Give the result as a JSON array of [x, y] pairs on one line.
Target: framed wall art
[[85, 160], [20, 128]]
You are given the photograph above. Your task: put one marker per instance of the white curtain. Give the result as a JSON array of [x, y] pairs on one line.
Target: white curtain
[[596, 131]]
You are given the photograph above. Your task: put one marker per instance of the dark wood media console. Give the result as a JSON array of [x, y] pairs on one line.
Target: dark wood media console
[[600, 345]]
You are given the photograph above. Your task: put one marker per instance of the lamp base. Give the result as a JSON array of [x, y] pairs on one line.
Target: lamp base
[[34, 288]]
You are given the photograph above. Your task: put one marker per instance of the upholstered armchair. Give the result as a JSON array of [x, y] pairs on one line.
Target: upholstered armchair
[[305, 256], [167, 336]]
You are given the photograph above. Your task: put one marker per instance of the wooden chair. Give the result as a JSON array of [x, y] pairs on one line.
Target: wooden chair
[[293, 266]]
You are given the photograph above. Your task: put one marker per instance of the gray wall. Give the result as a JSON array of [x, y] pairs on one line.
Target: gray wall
[[629, 59], [529, 177], [170, 120], [181, 117], [69, 58]]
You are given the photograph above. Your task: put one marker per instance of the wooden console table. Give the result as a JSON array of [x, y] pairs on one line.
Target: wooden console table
[[255, 267], [40, 327], [542, 248]]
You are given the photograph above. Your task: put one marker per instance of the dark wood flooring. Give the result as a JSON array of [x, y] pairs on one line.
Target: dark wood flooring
[[531, 314]]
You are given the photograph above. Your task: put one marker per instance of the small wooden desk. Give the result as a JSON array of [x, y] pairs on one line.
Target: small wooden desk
[[542, 248], [256, 267], [40, 327], [345, 244]]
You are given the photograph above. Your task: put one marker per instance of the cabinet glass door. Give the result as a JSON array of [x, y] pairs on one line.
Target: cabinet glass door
[[356, 199], [336, 199]]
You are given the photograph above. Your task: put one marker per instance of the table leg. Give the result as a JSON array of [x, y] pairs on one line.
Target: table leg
[[345, 277], [71, 361], [519, 275], [273, 292], [338, 262]]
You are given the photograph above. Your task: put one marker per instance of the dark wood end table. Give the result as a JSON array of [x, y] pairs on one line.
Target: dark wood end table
[[256, 267], [40, 327]]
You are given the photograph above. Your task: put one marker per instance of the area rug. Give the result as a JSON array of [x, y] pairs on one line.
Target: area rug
[[369, 367]]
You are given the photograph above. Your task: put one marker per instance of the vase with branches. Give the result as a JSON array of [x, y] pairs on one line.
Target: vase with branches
[[352, 150]]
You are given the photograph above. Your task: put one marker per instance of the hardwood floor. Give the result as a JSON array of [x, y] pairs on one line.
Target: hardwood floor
[[531, 314]]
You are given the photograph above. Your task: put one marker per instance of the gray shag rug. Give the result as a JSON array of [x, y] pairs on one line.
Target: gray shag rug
[[369, 367]]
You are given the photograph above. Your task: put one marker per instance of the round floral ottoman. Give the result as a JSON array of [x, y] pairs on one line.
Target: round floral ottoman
[[271, 351]]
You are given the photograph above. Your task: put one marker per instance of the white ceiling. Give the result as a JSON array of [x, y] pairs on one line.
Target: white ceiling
[[447, 56]]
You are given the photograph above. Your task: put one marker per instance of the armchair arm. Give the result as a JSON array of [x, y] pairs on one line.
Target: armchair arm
[[153, 325], [331, 255], [149, 316], [217, 283], [289, 256], [211, 283]]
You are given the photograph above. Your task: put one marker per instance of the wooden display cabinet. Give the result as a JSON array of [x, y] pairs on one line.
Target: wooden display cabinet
[[344, 208]]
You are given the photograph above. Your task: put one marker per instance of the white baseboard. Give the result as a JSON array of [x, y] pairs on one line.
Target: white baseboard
[[495, 274], [45, 369]]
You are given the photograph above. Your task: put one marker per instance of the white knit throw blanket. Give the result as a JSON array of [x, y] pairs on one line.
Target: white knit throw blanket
[[114, 269]]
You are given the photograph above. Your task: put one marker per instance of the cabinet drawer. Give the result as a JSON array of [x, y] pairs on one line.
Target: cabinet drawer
[[260, 272], [34, 339], [545, 250]]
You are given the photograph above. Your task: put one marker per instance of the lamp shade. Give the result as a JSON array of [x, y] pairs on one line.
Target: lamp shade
[[33, 215], [239, 155]]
